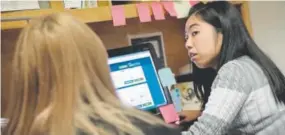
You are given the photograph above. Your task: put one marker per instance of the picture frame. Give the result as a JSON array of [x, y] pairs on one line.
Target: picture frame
[[156, 39], [189, 99]]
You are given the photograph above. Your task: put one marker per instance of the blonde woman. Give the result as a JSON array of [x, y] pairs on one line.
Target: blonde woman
[[61, 85]]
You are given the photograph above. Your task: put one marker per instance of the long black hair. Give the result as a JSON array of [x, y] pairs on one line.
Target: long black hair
[[225, 18]]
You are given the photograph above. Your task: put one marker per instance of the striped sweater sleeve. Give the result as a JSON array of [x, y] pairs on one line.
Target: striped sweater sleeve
[[230, 90]]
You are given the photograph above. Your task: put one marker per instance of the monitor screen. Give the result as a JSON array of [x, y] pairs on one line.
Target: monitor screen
[[136, 81]]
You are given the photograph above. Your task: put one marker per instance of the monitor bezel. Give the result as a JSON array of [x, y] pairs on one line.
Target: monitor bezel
[[132, 49], [140, 48]]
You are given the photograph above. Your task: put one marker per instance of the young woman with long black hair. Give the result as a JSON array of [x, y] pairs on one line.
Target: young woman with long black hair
[[246, 92]]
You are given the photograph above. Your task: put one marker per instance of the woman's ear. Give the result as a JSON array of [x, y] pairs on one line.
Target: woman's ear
[[219, 39]]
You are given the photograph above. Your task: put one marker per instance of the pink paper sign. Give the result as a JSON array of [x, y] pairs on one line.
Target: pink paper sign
[[118, 15], [193, 2], [169, 7], [144, 12], [157, 11], [168, 113]]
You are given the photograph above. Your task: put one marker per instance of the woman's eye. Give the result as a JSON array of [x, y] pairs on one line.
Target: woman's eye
[[194, 33], [186, 37]]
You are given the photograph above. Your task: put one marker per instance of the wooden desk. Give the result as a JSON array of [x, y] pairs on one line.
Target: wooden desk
[[190, 114]]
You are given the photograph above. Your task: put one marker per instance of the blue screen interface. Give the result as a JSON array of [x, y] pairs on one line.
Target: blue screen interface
[[136, 81]]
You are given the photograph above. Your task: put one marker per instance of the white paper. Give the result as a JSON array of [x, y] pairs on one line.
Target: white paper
[[72, 3], [12, 5], [89, 4], [92, 3], [182, 8]]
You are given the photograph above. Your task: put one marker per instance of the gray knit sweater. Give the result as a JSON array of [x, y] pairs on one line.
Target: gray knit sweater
[[241, 102]]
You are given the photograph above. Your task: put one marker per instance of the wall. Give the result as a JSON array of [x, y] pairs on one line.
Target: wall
[[268, 24], [171, 28], [8, 39]]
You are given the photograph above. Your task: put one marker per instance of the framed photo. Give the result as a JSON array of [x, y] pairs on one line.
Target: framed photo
[[188, 97], [156, 39]]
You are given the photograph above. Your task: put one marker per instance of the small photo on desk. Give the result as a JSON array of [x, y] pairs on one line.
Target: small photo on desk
[[189, 98]]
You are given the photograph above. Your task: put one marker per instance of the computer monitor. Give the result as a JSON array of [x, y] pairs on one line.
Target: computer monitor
[[135, 77]]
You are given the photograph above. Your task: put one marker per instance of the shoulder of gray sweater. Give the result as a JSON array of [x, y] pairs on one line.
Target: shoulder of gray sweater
[[242, 74]]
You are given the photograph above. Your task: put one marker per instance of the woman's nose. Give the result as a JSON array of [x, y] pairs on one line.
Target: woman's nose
[[188, 45]]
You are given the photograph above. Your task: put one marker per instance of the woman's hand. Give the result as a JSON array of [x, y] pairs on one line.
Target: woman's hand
[[189, 115], [187, 118]]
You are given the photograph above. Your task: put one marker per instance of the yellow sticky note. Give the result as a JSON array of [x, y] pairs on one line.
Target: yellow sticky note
[[182, 8], [204, 1]]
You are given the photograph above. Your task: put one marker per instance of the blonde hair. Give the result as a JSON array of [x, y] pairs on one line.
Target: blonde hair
[[61, 83]]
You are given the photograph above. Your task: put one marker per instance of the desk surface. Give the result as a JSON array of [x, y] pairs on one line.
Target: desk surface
[[190, 114]]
